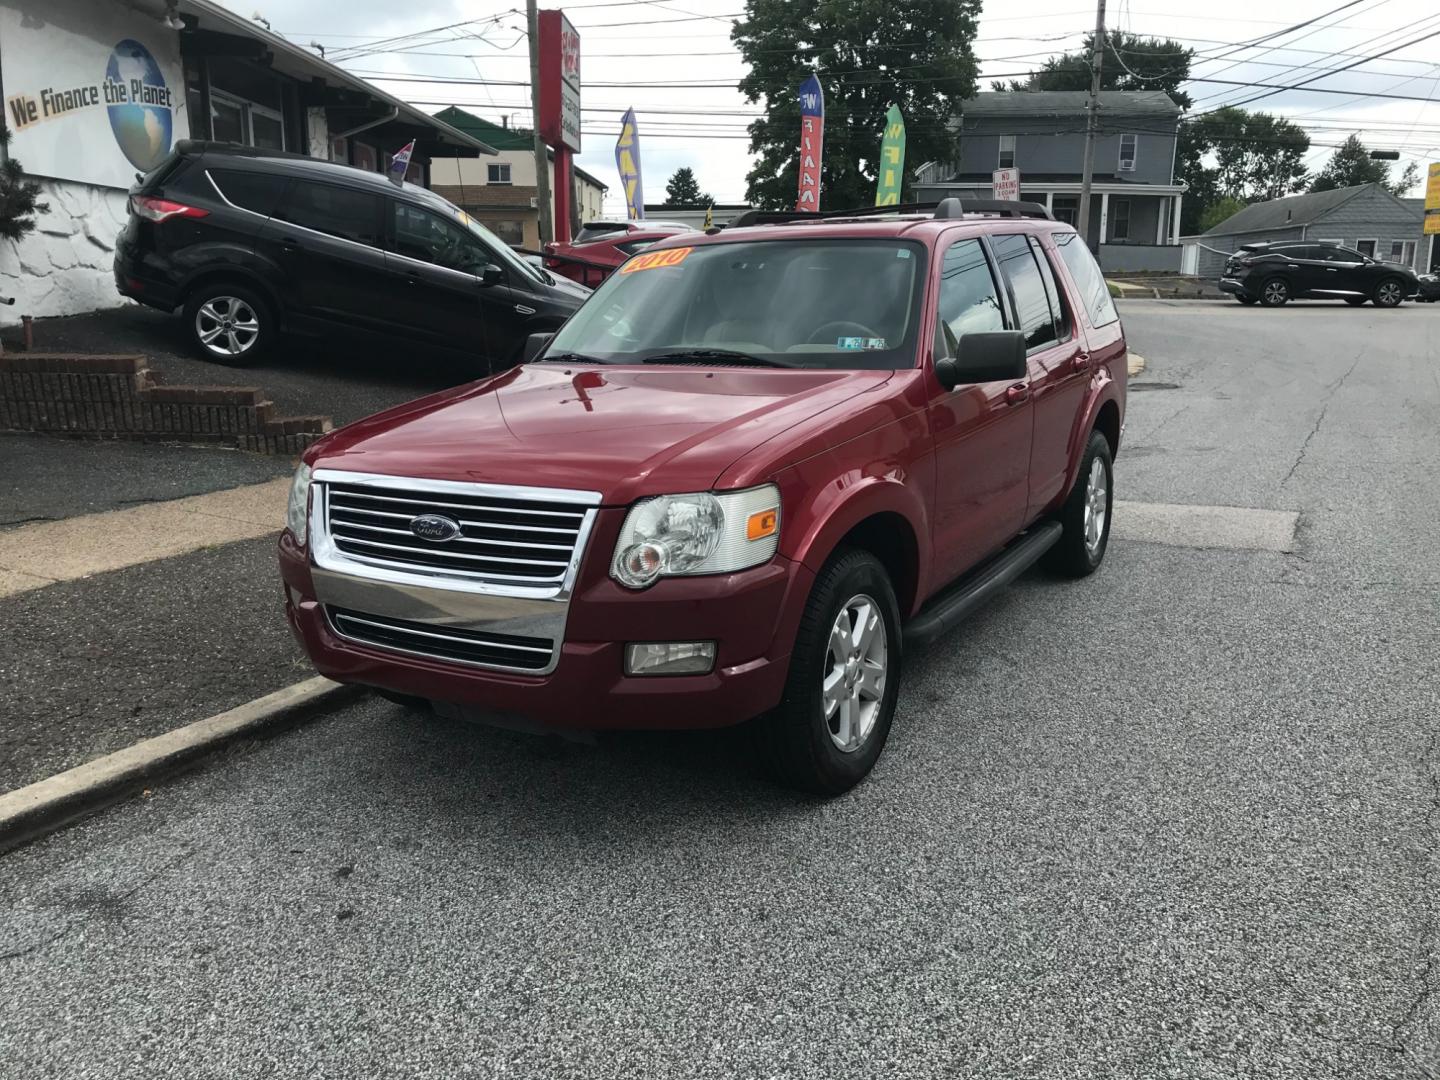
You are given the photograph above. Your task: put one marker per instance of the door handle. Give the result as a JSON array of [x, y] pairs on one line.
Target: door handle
[[1017, 394], [521, 309], [1331, 270], [1080, 361]]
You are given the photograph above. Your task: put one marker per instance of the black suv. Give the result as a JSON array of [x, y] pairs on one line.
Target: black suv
[[1274, 274], [252, 243]]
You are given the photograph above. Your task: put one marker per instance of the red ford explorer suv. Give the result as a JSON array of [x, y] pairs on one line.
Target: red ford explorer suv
[[753, 470]]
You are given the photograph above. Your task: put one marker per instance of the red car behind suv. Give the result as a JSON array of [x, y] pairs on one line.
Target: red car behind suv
[[753, 470], [601, 247]]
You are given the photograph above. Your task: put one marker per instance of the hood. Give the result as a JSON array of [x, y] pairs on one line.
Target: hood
[[623, 431]]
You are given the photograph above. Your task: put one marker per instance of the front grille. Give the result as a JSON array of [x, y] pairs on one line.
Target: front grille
[[525, 542], [444, 642]]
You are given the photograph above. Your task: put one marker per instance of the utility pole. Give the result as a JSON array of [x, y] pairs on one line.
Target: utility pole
[[542, 158], [1092, 121]]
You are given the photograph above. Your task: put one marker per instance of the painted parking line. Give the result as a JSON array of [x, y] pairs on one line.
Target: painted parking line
[[34, 556], [1182, 525]]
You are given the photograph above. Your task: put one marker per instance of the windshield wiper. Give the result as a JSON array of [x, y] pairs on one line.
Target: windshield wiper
[[728, 356], [571, 358]]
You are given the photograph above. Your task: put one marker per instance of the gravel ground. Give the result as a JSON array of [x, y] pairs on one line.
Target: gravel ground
[[1177, 820]]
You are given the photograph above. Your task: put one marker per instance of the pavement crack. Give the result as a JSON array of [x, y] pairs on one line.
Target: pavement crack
[[1324, 409], [25, 521], [75, 924]]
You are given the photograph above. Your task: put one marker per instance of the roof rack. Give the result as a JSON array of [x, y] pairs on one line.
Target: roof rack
[[945, 208]]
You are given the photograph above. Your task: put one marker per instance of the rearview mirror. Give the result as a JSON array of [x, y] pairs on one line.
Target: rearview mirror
[[491, 274], [998, 356], [534, 346]]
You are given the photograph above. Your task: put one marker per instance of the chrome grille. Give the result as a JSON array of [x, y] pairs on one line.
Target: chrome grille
[[515, 541], [444, 642]]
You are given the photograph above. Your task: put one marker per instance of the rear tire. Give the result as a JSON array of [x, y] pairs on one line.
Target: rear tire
[[831, 725], [1086, 514], [1275, 292], [229, 323], [1389, 292]]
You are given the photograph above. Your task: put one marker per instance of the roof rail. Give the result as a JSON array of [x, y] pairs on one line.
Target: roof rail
[[954, 208], [945, 208]]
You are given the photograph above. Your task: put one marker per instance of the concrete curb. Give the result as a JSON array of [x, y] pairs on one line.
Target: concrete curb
[[29, 812]]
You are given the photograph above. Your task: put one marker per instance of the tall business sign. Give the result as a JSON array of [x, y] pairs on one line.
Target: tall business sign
[[892, 160], [94, 92], [1432, 200], [627, 164], [812, 143], [560, 106]]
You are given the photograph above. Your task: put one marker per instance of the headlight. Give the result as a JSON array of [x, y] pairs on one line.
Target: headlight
[[702, 533], [296, 511]]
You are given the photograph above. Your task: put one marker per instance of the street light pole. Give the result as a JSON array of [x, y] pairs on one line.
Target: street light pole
[[1092, 121], [542, 158]]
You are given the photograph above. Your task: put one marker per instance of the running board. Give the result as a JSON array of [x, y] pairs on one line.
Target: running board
[[960, 600]]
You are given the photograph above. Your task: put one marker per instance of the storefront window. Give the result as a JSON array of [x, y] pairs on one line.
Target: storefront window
[[267, 129], [227, 120]]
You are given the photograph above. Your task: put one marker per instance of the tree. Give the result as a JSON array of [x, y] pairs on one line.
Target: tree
[[1227, 206], [18, 196], [1351, 164], [682, 189], [868, 55], [1131, 63], [1239, 155]]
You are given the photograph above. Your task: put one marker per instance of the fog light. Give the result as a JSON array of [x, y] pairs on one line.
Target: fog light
[[669, 658]]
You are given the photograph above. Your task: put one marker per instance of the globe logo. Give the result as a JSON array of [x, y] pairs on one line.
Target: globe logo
[[142, 130]]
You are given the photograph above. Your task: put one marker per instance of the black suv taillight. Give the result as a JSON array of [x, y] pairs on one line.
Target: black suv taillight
[[154, 209]]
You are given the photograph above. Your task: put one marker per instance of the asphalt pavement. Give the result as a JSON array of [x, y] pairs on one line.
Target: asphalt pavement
[[1177, 820]]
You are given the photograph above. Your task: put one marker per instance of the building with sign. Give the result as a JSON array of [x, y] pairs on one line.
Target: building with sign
[[500, 192], [98, 91], [1135, 208]]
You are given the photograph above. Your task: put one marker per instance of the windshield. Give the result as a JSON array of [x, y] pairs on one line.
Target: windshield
[[790, 303]]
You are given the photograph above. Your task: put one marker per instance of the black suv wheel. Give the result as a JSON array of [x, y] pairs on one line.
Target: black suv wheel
[[1275, 292], [229, 323], [1389, 292]]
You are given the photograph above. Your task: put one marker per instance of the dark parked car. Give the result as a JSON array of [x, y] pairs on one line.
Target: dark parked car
[[1429, 290], [254, 243], [1274, 274], [601, 246]]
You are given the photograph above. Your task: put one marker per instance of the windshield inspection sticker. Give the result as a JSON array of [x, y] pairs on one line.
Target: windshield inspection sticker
[[860, 343], [654, 260]]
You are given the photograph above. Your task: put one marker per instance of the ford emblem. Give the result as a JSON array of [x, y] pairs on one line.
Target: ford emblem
[[436, 527]]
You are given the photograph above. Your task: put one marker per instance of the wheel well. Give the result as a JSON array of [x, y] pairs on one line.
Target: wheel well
[[890, 539], [1108, 424], [213, 277]]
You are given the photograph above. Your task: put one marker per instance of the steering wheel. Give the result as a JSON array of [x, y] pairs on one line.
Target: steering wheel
[[840, 328]]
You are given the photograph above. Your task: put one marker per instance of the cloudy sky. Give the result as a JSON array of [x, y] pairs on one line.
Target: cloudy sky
[[472, 53]]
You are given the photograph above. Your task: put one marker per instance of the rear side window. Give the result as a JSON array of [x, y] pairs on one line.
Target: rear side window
[[969, 297], [1052, 289], [1032, 305], [252, 191], [1089, 282], [335, 211]]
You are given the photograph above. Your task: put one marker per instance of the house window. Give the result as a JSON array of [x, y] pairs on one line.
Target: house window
[[340, 150], [1120, 221], [1127, 152], [1402, 251], [1066, 208], [497, 173], [1007, 152], [1366, 247], [510, 230]]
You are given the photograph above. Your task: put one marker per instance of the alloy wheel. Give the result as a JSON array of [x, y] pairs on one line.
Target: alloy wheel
[[1389, 293], [1276, 292], [1097, 506], [854, 673], [227, 326]]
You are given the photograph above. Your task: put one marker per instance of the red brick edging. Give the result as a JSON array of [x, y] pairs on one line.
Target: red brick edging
[[118, 397]]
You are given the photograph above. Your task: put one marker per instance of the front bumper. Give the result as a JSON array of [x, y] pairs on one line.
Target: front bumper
[[751, 615]]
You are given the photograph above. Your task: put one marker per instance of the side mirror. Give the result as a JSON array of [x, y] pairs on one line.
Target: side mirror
[[490, 274], [998, 356], [534, 345]]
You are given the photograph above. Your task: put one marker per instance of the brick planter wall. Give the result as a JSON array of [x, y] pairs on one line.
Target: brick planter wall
[[118, 397]]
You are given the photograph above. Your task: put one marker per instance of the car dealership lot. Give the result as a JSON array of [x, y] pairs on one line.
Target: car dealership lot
[[1177, 820]]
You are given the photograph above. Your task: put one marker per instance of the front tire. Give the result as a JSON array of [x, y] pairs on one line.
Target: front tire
[[1389, 293], [229, 323], [1275, 293], [832, 723], [1086, 514]]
